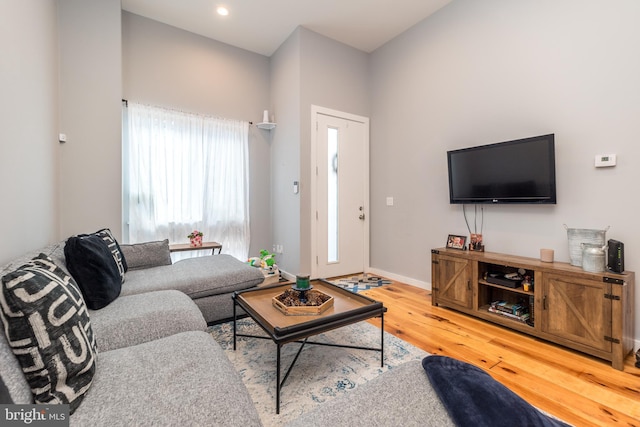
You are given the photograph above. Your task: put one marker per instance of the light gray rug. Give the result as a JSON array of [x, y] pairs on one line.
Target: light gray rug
[[320, 374]]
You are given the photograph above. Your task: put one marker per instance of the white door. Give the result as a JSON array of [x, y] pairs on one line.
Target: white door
[[341, 196]]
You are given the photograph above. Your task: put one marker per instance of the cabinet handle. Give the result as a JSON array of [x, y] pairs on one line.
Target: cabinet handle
[[544, 302], [468, 285]]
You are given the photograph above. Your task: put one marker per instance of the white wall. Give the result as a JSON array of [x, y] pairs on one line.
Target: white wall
[[490, 71], [90, 114], [163, 65], [29, 117]]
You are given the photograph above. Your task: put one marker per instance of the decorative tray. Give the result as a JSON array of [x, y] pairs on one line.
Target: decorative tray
[[290, 303]]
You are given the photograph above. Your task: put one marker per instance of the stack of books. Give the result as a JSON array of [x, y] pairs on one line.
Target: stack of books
[[513, 311]]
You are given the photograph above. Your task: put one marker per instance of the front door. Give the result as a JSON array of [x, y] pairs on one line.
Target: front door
[[341, 196]]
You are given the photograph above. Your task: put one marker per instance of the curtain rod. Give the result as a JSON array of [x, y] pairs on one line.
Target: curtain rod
[[126, 103]]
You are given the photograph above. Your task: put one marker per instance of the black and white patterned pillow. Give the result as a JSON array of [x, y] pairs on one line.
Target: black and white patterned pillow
[[49, 331]]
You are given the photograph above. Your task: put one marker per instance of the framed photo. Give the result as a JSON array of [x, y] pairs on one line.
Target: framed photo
[[456, 242]]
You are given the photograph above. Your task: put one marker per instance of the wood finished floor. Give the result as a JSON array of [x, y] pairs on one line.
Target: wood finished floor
[[579, 389]]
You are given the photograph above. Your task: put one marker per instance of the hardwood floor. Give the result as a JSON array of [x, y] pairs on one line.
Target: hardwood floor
[[577, 388]]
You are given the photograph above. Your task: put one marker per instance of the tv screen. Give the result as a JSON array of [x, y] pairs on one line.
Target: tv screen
[[519, 171]]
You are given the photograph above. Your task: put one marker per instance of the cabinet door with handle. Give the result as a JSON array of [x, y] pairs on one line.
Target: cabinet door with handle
[[451, 279], [577, 310]]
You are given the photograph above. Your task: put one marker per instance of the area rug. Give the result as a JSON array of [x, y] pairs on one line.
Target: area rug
[[360, 283], [320, 374]]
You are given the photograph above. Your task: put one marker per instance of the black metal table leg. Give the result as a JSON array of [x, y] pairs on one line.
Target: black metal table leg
[[278, 385], [382, 339], [234, 324]]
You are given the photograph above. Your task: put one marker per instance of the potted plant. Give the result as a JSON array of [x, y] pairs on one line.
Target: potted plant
[[195, 238]]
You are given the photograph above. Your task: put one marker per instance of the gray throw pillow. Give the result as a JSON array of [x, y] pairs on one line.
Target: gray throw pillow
[[49, 331], [146, 255]]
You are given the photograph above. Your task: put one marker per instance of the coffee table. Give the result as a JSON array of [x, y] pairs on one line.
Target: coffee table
[[348, 308]]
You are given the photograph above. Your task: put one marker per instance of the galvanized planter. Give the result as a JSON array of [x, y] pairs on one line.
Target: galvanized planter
[[578, 236], [593, 258]]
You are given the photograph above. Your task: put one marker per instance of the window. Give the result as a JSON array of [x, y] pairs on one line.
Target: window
[[183, 172]]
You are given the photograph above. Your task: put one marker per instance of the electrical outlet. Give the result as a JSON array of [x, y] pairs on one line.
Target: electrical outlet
[[279, 249]]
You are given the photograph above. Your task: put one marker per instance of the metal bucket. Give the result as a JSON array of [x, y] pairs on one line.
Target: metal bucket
[[593, 258], [578, 236]]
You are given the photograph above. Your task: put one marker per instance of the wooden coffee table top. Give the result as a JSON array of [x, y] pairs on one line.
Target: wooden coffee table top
[[348, 307]]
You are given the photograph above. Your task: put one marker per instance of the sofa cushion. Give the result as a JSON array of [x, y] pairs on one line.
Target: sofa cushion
[[401, 396], [11, 373], [48, 328], [186, 379], [148, 254], [135, 319], [197, 277], [91, 263], [5, 397]]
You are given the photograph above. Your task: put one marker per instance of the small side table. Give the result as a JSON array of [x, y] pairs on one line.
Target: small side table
[[181, 247]]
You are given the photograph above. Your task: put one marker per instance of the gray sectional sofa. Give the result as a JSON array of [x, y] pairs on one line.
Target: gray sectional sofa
[[155, 364]]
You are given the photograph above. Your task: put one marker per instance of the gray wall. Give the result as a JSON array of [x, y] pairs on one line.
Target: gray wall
[[331, 75], [90, 52], [166, 66], [483, 72], [285, 152], [29, 116]]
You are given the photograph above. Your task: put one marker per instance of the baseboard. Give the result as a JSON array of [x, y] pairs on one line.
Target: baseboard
[[287, 275]]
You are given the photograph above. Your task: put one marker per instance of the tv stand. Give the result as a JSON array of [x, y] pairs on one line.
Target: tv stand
[[589, 312]]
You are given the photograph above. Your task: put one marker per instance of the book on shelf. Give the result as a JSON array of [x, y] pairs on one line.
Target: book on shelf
[[519, 316], [510, 308]]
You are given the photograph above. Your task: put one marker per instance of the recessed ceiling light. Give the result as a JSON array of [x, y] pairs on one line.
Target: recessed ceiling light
[[222, 11]]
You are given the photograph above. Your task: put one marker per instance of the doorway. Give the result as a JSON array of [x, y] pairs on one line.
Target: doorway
[[340, 207]]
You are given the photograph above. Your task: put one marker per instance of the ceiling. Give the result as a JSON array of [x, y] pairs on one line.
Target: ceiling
[[261, 26]]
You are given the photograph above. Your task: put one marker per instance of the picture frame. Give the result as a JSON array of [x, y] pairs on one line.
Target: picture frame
[[475, 243], [456, 242]]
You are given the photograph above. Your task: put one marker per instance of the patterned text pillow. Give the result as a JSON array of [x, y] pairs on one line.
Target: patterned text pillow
[[49, 331]]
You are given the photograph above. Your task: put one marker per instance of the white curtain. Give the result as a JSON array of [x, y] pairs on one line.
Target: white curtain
[[185, 172]]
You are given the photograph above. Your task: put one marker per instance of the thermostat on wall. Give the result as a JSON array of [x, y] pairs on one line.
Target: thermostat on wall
[[605, 160]]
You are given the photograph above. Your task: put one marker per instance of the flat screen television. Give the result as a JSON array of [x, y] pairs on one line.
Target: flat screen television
[[518, 171]]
